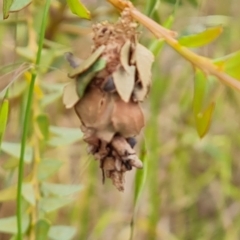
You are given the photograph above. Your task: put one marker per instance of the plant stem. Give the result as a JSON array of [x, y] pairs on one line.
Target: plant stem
[[205, 64], [26, 120]]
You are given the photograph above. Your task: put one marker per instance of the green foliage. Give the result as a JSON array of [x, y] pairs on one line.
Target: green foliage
[[19, 5], [3, 118], [61, 233], [42, 228], [78, 8], [201, 39], [9, 224], [6, 7], [202, 114]]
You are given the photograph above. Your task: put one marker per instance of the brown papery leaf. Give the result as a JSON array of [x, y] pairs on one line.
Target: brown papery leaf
[[124, 82], [124, 55], [94, 110], [70, 97], [144, 60], [87, 63]]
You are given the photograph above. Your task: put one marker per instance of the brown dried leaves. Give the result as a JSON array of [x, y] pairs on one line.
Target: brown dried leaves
[[106, 92]]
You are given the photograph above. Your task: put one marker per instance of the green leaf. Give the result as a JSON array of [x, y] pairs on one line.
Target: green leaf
[[141, 175], [60, 190], [8, 194], [202, 38], [3, 118], [202, 115], [230, 64], [6, 7], [43, 123], [9, 224], [47, 167], [50, 98], [203, 120], [84, 79], [87, 63], [13, 149], [79, 9], [64, 136], [28, 193], [152, 6], [10, 164], [42, 229], [62, 232], [157, 44], [19, 5], [50, 204]]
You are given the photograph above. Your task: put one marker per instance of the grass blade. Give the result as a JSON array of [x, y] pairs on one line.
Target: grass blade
[[27, 118]]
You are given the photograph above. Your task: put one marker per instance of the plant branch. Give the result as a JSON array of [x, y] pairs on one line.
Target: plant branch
[[205, 64]]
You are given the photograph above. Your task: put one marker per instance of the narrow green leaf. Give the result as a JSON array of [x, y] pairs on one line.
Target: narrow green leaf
[[10, 164], [28, 193], [84, 79], [62, 233], [230, 64], [87, 63], [8, 194], [79, 9], [3, 118], [43, 123], [41, 229], [13, 149], [202, 38], [19, 5], [152, 6], [157, 44], [64, 136], [47, 167], [50, 98], [140, 177], [202, 115], [50, 204], [203, 120], [9, 224], [6, 7], [59, 190]]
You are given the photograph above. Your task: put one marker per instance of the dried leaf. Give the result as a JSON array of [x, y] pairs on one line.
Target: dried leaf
[[70, 96], [95, 110], [124, 82], [87, 63], [124, 55], [127, 118], [144, 60]]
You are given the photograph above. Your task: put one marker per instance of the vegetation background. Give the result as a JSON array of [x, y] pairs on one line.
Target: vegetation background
[[190, 188]]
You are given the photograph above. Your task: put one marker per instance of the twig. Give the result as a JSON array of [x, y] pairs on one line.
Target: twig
[[205, 64]]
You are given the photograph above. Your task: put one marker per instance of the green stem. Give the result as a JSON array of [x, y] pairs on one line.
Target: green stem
[[26, 120]]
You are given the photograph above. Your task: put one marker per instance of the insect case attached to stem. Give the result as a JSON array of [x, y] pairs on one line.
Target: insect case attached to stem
[[105, 91]]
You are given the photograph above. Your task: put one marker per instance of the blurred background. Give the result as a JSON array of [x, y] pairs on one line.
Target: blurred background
[[192, 185]]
